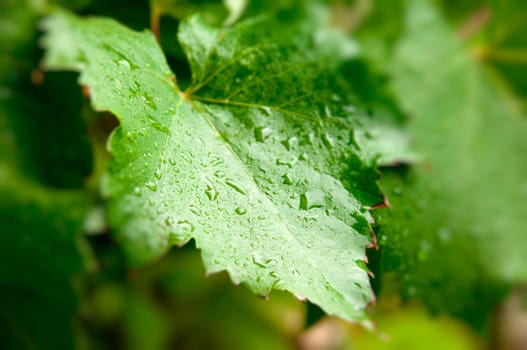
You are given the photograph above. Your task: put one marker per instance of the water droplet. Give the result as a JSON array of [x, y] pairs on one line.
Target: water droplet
[[311, 138], [219, 174], [327, 140], [125, 64], [261, 261], [149, 101], [267, 110], [211, 193], [287, 180], [185, 226], [158, 173], [172, 161], [216, 160], [258, 260], [235, 186], [270, 262], [194, 210], [290, 143], [262, 133], [240, 211], [137, 190], [169, 221], [312, 199], [303, 157], [158, 126], [324, 110], [284, 162], [151, 186]]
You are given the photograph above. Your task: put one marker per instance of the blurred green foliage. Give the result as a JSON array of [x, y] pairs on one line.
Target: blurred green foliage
[[451, 245]]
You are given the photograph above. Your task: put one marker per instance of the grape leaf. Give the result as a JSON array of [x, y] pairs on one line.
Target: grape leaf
[[256, 160], [455, 234]]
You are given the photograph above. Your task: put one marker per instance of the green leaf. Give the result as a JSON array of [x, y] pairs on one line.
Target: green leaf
[[256, 161], [457, 219]]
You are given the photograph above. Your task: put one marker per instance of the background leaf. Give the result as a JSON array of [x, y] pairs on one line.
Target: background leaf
[[444, 236]]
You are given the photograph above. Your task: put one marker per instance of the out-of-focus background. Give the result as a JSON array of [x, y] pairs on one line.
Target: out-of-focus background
[[450, 271]]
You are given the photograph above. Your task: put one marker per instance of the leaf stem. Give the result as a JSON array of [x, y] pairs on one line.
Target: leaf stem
[[475, 23], [155, 16]]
